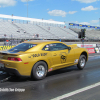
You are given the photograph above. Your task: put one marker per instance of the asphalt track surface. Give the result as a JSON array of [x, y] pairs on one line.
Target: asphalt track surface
[[64, 84]]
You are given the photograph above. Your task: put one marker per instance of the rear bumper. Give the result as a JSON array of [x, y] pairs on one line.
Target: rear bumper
[[11, 71]]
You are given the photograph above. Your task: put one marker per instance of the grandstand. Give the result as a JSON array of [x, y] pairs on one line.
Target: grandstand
[[93, 35], [28, 28], [15, 27]]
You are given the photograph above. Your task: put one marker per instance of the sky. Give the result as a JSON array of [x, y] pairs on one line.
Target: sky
[[86, 12]]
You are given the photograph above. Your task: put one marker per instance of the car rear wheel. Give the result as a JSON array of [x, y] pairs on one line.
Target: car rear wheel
[[39, 70], [82, 62]]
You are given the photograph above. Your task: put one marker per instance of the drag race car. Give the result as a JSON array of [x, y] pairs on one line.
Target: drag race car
[[37, 58]]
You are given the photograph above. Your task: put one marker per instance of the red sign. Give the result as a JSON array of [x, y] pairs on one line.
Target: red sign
[[7, 40], [90, 50], [87, 45]]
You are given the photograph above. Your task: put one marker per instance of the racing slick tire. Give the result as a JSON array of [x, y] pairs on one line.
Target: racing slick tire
[[82, 62], [39, 70]]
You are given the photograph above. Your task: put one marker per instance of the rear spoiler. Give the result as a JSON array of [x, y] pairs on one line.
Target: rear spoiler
[[10, 53]]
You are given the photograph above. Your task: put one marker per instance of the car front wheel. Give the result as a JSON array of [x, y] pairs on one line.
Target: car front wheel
[[39, 70], [82, 62]]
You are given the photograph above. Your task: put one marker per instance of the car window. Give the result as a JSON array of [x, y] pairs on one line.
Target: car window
[[55, 47], [46, 47], [22, 47]]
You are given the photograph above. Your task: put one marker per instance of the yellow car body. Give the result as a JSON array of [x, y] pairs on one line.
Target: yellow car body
[[54, 54]]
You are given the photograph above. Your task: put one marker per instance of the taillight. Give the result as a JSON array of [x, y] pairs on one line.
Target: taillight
[[14, 59]]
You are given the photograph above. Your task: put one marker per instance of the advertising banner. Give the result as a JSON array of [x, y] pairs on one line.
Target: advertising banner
[[90, 50], [5, 47], [85, 26], [87, 45]]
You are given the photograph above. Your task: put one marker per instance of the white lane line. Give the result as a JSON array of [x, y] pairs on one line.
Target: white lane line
[[94, 55], [76, 91]]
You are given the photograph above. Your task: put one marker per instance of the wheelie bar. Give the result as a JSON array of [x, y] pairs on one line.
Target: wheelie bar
[[6, 79]]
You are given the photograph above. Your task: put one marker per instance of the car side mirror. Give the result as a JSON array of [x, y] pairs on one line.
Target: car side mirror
[[69, 48]]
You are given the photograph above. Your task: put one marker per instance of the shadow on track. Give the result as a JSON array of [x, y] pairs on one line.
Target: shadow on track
[[63, 70], [50, 74]]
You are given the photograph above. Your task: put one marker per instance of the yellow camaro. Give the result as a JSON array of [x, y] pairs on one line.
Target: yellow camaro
[[36, 58]]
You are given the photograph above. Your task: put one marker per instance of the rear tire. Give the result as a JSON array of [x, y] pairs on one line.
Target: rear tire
[[39, 70], [82, 62]]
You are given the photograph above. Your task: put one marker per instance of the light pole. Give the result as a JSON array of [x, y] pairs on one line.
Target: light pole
[[99, 22], [27, 8]]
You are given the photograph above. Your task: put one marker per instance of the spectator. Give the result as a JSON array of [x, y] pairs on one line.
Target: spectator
[[24, 32], [37, 35], [18, 30], [12, 21]]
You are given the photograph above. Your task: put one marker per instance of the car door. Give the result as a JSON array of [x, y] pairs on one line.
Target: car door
[[61, 55], [54, 57]]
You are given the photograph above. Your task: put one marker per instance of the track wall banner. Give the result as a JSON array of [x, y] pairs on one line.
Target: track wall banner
[[5, 47], [87, 45], [90, 50]]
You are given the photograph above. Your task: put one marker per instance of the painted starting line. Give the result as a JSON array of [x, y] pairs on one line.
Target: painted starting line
[[76, 91]]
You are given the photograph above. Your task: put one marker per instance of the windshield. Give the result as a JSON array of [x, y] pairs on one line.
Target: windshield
[[22, 47]]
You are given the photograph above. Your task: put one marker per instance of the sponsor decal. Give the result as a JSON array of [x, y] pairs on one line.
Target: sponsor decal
[[90, 50], [76, 61], [43, 54], [50, 69], [29, 56], [63, 57], [38, 55], [46, 48]]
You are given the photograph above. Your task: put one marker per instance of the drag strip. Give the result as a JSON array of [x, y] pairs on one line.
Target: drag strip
[[77, 91], [57, 83]]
